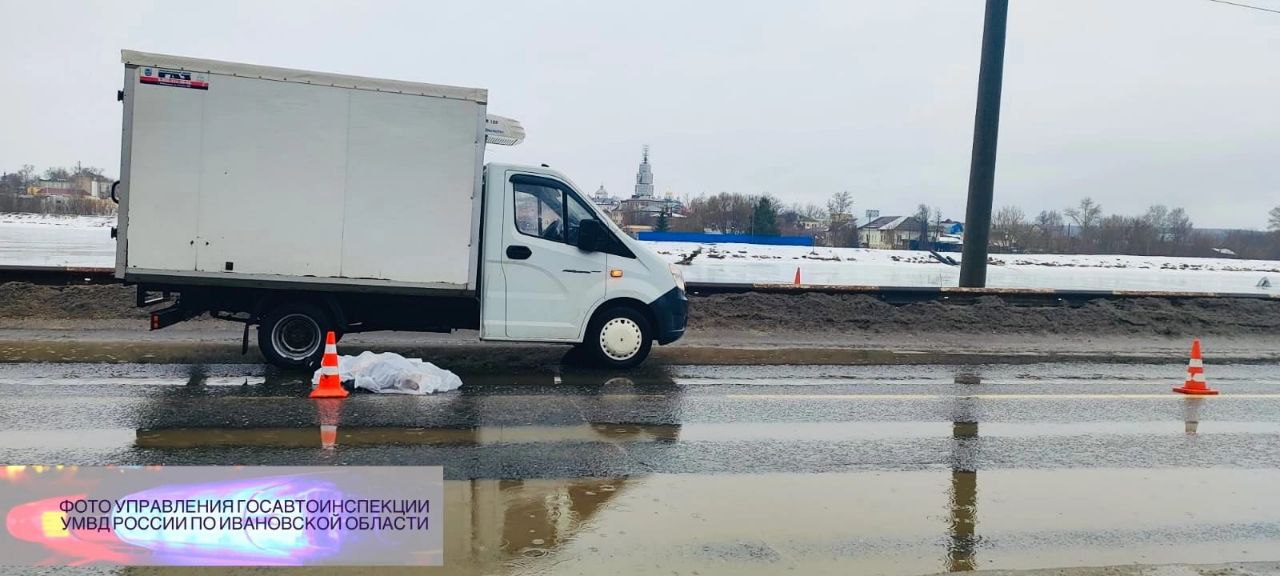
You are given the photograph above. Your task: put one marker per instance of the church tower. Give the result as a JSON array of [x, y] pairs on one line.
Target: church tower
[[644, 177]]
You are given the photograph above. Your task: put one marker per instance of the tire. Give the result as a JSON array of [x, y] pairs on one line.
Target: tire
[[292, 335], [619, 337]]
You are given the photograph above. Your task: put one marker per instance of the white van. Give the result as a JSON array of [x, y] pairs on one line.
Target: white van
[[305, 202]]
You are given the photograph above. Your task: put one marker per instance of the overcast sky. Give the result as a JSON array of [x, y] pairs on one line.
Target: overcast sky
[[1134, 102]]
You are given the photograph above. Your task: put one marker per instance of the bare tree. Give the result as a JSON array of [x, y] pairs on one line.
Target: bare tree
[[808, 210], [922, 220], [57, 173], [1157, 215], [1087, 214], [726, 212], [27, 175], [1049, 220], [839, 204], [1178, 227], [1273, 223], [1009, 227], [92, 172], [1113, 234], [1047, 229]]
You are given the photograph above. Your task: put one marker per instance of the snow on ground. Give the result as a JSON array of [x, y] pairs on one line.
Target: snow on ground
[[39, 240], [49, 240], [749, 263], [69, 221]]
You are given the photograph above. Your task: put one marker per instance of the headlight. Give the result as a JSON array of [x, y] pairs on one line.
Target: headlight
[[677, 275]]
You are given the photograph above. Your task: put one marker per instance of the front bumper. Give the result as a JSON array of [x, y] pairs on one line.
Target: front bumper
[[671, 310]]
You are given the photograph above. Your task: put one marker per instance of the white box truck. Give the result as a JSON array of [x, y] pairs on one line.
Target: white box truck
[[303, 202]]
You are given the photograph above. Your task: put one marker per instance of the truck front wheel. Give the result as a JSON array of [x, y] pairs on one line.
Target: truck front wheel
[[292, 335], [619, 337]]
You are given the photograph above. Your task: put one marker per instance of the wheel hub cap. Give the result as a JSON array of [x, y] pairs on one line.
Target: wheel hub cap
[[620, 338], [296, 337]]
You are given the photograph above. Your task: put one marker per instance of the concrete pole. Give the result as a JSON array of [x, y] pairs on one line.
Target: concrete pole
[[982, 166]]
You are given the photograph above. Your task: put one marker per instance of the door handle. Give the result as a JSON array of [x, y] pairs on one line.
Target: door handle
[[518, 252]]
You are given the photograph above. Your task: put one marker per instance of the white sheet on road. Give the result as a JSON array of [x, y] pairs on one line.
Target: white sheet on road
[[391, 373]]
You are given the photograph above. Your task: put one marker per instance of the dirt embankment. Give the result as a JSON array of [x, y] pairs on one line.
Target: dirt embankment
[[816, 313], [991, 314], [88, 302]]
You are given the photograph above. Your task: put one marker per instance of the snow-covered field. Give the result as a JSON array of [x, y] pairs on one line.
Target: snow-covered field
[[749, 263], [47, 240], [36, 240]]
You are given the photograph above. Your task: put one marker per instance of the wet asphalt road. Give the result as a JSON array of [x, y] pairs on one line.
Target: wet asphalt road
[[742, 470]]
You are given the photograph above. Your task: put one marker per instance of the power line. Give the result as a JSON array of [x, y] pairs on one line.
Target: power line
[[1247, 6]]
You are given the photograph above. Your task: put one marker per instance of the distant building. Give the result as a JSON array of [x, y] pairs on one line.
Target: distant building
[[60, 188], [793, 223], [891, 232], [645, 211], [947, 227], [644, 177], [610, 205], [642, 209], [604, 199], [808, 223]]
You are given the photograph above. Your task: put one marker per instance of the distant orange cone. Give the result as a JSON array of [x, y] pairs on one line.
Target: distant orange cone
[[330, 385], [1195, 383], [797, 281]]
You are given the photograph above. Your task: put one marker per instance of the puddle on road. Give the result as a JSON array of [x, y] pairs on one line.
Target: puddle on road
[[701, 432], [388, 436], [897, 523], [864, 523], [1074, 380], [814, 523], [365, 436], [558, 379], [93, 439]]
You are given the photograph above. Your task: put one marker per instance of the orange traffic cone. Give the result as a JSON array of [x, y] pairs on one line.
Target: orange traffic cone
[[797, 281], [330, 385], [1195, 383]]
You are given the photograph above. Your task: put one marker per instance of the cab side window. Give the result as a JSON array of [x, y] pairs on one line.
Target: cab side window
[[577, 213], [548, 211], [539, 211]]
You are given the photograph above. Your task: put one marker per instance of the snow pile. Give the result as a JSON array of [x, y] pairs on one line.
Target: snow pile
[[391, 373]]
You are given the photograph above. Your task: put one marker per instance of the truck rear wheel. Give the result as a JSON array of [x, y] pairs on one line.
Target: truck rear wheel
[[619, 337], [292, 335]]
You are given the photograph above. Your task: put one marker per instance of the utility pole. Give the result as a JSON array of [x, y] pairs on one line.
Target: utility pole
[[982, 165]]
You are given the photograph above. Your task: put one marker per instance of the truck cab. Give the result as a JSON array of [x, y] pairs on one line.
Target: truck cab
[[557, 269]]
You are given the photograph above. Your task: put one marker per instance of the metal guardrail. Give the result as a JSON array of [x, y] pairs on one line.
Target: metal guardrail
[[890, 294]]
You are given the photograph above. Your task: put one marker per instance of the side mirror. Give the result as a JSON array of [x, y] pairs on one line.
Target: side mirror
[[592, 235]]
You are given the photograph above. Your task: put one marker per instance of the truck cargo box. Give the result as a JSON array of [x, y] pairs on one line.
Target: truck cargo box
[[233, 173]]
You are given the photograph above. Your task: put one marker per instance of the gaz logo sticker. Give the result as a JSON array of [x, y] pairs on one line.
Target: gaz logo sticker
[[178, 78]]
